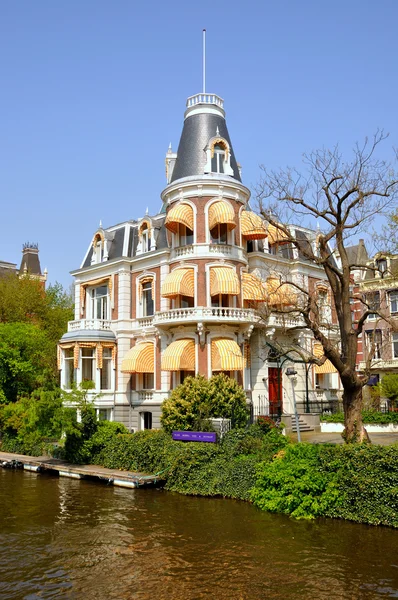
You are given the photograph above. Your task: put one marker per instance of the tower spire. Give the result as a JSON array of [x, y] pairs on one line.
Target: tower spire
[[204, 61]]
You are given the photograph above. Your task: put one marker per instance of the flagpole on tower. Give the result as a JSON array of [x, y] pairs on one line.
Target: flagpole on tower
[[204, 61]]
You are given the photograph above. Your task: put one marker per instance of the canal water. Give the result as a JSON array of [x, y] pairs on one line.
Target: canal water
[[61, 538]]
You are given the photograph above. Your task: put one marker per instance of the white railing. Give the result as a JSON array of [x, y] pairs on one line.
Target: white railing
[[379, 363], [208, 251], [205, 99], [97, 324], [145, 321], [145, 395], [207, 314], [286, 321], [184, 251]]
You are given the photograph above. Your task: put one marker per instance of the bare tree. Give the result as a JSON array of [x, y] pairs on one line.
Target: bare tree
[[344, 198]]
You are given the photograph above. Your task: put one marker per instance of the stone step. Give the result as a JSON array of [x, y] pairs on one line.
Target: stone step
[[303, 426]]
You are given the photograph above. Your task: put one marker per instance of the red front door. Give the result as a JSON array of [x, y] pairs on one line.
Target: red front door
[[275, 391]]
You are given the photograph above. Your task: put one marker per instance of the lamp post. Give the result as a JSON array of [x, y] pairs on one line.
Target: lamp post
[[291, 372]]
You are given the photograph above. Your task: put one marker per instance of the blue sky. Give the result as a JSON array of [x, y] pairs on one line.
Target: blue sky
[[93, 92]]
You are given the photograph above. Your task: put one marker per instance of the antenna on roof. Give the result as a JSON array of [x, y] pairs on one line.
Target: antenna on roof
[[204, 61]]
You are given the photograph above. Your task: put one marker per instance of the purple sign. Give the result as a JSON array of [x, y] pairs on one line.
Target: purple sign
[[195, 436]]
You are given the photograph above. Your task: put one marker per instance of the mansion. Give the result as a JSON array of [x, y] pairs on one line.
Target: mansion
[[191, 290]]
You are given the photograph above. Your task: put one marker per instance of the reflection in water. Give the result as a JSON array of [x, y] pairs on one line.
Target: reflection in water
[[61, 538]]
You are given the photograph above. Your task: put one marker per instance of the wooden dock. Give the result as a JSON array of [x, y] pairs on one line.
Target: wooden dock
[[55, 466]]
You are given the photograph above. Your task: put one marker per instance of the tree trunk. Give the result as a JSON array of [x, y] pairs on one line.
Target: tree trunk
[[354, 431]]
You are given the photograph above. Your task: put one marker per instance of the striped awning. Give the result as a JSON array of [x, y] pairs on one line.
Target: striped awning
[[276, 235], [224, 280], [226, 356], [327, 366], [140, 359], [221, 212], [179, 356], [253, 288], [180, 282], [251, 226], [180, 214], [280, 294]]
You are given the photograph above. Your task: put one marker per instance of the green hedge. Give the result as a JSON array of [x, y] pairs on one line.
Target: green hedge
[[369, 416], [227, 469], [358, 482]]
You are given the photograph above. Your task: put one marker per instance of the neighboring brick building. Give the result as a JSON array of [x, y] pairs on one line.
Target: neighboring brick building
[[379, 289], [174, 294]]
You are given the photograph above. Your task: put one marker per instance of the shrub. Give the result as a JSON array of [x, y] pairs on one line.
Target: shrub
[[193, 403], [295, 484]]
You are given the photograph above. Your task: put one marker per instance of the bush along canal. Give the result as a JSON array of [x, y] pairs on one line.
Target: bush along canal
[[257, 464]]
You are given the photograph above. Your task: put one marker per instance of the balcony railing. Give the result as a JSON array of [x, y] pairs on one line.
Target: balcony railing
[[205, 99], [200, 313], [145, 321], [208, 251], [97, 324], [379, 363]]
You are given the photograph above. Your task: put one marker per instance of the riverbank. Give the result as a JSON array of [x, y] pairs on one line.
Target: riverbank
[[352, 482]]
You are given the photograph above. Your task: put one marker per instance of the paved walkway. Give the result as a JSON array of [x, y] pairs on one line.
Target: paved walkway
[[382, 439]]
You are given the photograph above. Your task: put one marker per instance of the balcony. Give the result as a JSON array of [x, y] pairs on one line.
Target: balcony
[[147, 396], [208, 251], [89, 324], [198, 314], [379, 363], [285, 321]]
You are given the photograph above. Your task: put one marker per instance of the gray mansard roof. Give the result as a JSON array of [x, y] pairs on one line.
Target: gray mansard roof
[[197, 131], [125, 237]]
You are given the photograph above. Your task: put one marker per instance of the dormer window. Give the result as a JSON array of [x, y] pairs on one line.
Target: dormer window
[[218, 159], [381, 265], [145, 247]]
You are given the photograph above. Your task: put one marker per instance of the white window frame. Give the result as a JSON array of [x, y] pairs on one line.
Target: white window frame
[[393, 293], [93, 301], [106, 360], [394, 342], [143, 298], [68, 364]]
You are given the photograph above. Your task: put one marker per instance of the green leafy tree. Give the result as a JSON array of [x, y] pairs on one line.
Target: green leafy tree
[[26, 360], [32, 320], [389, 387], [193, 403]]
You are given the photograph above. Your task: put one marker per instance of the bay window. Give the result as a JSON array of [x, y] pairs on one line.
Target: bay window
[[88, 364], [106, 371]]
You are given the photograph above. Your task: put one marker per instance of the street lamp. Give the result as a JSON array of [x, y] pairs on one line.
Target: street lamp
[[291, 372]]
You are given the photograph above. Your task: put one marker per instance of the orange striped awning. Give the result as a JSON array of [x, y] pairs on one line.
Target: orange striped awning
[[327, 366], [180, 214], [251, 226], [140, 359], [221, 212], [224, 280], [280, 293], [253, 288], [179, 356], [180, 282], [226, 356], [276, 235]]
